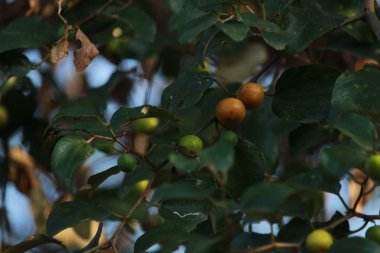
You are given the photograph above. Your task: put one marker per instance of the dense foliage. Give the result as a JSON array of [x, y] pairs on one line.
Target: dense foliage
[[215, 156]]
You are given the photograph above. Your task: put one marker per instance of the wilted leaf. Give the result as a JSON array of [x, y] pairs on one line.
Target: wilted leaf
[[84, 55], [60, 49]]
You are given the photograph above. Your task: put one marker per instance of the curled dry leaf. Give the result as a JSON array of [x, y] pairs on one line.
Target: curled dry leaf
[[84, 55], [60, 49]]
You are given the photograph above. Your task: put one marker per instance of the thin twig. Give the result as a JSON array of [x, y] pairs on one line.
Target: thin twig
[[361, 192], [59, 13], [273, 245], [131, 211], [96, 13], [370, 15], [352, 19]]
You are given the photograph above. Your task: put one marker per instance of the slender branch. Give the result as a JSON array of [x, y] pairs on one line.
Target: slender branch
[[206, 125], [353, 19], [360, 228], [131, 211], [361, 192], [343, 202], [370, 15], [59, 13], [339, 221]]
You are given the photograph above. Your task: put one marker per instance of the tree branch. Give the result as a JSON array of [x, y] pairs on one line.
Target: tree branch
[[370, 15]]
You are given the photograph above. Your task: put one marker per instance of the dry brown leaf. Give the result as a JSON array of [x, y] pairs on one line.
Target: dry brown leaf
[[59, 50], [84, 55]]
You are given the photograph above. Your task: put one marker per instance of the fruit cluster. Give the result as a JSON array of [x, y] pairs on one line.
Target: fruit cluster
[[232, 111]]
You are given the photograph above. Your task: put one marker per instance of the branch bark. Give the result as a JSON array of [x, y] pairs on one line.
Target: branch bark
[[370, 15]]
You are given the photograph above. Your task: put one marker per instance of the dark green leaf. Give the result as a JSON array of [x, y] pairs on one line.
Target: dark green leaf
[[315, 180], [183, 163], [249, 168], [358, 127], [304, 21], [249, 241], [294, 231], [179, 190], [185, 91], [186, 213], [219, 157], [14, 63], [236, 31], [32, 242], [338, 160], [26, 32], [143, 25], [97, 179], [68, 214], [354, 244], [265, 197], [303, 94], [81, 114], [124, 115], [357, 92], [157, 234], [192, 29], [69, 154]]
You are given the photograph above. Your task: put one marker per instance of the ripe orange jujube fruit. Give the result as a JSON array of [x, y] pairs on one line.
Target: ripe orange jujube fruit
[[251, 94], [230, 112]]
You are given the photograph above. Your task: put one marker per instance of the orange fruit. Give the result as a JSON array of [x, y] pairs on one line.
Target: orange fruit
[[230, 112], [251, 94]]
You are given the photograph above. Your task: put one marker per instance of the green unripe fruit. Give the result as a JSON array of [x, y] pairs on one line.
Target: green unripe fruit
[[373, 233], [319, 241], [127, 162], [191, 143], [146, 125], [372, 167], [229, 137], [3, 116]]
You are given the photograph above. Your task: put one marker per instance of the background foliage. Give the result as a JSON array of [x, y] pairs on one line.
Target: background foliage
[[317, 61]]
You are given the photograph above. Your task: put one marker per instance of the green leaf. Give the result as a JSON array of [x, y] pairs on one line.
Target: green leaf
[[185, 189], [315, 180], [183, 163], [26, 32], [294, 231], [192, 29], [14, 63], [358, 127], [32, 242], [68, 155], [265, 198], [306, 137], [303, 94], [186, 213], [68, 214], [160, 233], [249, 168], [304, 21], [143, 25], [82, 114], [357, 92], [97, 179], [249, 241], [219, 157], [336, 161], [133, 177], [354, 244], [186, 90], [272, 33], [236, 31], [185, 16], [124, 115]]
